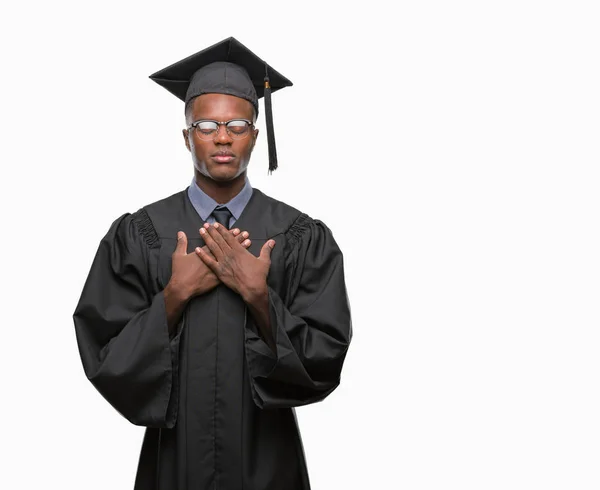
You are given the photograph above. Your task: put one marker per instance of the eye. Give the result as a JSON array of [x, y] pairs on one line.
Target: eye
[[206, 127], [238, 126]]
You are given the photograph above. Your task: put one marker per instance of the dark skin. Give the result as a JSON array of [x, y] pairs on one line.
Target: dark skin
[[190, 277], [221, 181], [225, 258]]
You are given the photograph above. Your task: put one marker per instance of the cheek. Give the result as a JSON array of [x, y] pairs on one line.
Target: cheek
[[244, 148], [198, 149]]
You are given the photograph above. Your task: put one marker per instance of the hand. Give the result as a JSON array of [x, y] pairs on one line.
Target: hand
[[191, 276], [233, 265]]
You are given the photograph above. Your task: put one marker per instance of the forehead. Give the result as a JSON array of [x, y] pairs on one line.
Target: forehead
[[220, 107]]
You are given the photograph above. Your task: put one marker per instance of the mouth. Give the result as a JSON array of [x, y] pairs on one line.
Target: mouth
[[223, 157]]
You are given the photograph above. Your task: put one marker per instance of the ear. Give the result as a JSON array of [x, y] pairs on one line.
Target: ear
[[254, 137], [186, 138]]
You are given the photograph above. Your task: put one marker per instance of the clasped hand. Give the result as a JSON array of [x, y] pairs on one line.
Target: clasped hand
[[224, 259], [233, 265]]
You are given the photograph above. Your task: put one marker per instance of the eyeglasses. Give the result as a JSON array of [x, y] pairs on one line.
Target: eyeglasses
[[207, 129]]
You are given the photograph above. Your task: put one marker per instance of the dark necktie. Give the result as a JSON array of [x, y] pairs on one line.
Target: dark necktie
[[222, 216]]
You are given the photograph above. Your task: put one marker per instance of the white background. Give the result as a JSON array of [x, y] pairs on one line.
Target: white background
[[452, 147]]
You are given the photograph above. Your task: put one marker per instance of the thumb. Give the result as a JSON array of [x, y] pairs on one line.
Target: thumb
[[265, 251], [181, 248]]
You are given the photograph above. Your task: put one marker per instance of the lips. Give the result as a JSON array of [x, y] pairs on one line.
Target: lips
[[223, 157]]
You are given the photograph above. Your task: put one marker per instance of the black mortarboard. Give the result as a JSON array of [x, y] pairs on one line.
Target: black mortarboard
[[227, 67]]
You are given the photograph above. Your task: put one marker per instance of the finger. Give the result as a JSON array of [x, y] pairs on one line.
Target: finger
[[207, 250], [212, 245], [181, 248], [265, 251], [241, 238], [229, 239], [207, 259], [218, 233]]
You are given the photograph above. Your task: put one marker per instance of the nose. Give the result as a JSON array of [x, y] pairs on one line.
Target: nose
[[222, 137]]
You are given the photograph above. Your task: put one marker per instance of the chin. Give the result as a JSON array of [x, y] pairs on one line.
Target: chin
[[220, 172], [223, 173]]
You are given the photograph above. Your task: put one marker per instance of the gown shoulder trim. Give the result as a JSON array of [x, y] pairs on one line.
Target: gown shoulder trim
[[146, 227], [297, 229]]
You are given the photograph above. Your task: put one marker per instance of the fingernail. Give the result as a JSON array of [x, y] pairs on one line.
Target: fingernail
[[246, 242], [272, 243], [245, 234], [216, 225], [202, 231], [236, 232], [179, 235]]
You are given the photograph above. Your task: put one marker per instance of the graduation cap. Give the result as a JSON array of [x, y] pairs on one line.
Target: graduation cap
[[227, 67]]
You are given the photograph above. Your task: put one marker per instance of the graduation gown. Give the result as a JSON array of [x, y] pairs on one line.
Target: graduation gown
[[216, 401]]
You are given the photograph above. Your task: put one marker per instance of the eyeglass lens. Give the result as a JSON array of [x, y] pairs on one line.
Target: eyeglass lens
[[236, 129]]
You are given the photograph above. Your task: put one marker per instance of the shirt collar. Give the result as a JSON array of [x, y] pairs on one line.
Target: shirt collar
[[205, 205]]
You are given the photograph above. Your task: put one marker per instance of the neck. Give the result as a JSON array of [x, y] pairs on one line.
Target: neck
[[221, 192]]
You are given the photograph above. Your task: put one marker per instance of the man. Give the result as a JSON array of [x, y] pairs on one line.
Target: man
[[209, 315]]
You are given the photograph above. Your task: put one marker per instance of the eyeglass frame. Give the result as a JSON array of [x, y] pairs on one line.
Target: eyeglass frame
[[223, 123]]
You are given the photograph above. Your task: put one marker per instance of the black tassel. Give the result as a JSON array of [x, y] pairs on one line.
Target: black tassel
[[270, 132]]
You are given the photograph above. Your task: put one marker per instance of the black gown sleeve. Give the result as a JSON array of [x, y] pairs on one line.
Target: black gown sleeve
[[312, 327], [122, 331]]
